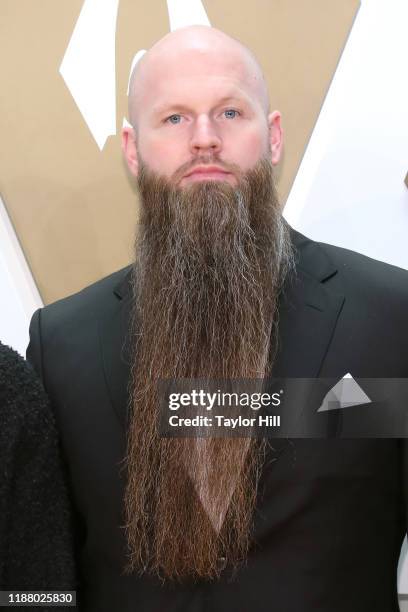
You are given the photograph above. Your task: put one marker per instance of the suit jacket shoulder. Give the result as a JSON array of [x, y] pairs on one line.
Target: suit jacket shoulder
[[367, 272], [93, 297], [58, 325]]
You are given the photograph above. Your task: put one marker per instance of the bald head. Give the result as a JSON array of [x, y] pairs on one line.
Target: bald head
[[204, 49], [199, 95]]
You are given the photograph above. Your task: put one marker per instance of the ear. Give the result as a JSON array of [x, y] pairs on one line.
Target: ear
[[275, 136], [129, 149]]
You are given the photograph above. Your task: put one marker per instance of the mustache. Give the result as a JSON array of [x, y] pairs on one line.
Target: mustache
[[205, 160]]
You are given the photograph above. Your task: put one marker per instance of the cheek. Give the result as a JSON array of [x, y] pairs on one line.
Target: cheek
[[248, 147], [163, 156]]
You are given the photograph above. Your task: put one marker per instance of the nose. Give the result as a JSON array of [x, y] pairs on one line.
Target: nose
[[205, 136]]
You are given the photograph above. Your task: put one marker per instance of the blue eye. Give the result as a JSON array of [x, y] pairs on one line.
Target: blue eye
[[230, 113], [174, 119]]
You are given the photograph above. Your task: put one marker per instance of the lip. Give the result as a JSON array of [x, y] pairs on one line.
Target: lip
[[207, 171]]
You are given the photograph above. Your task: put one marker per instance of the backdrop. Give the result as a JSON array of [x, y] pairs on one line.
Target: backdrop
[[63, 181]]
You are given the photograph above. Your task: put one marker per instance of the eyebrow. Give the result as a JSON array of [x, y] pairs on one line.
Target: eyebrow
[[166, 107]]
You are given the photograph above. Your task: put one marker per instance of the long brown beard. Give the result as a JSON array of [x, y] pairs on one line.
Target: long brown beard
[[210, 262]]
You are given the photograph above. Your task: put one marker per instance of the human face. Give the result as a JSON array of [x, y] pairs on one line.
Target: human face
[[200, 117]]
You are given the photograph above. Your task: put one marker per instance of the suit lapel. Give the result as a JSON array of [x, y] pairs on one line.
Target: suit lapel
[[115, 348], [308, 313]]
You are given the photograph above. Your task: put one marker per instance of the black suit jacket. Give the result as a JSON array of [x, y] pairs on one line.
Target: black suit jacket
[[331, 514]]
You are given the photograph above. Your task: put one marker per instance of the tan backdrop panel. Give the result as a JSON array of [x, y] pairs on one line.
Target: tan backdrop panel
[[72, 205]]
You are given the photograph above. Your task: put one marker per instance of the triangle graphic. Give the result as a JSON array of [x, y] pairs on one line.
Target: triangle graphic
[[344, 394]]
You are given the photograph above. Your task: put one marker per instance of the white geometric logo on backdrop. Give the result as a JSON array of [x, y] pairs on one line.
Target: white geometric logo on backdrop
[[89, 64]]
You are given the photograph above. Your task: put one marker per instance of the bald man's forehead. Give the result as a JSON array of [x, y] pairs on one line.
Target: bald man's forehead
[[197, 37], [201, 63]]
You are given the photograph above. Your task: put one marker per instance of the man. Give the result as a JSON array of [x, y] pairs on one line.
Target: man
[[222, 289]]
